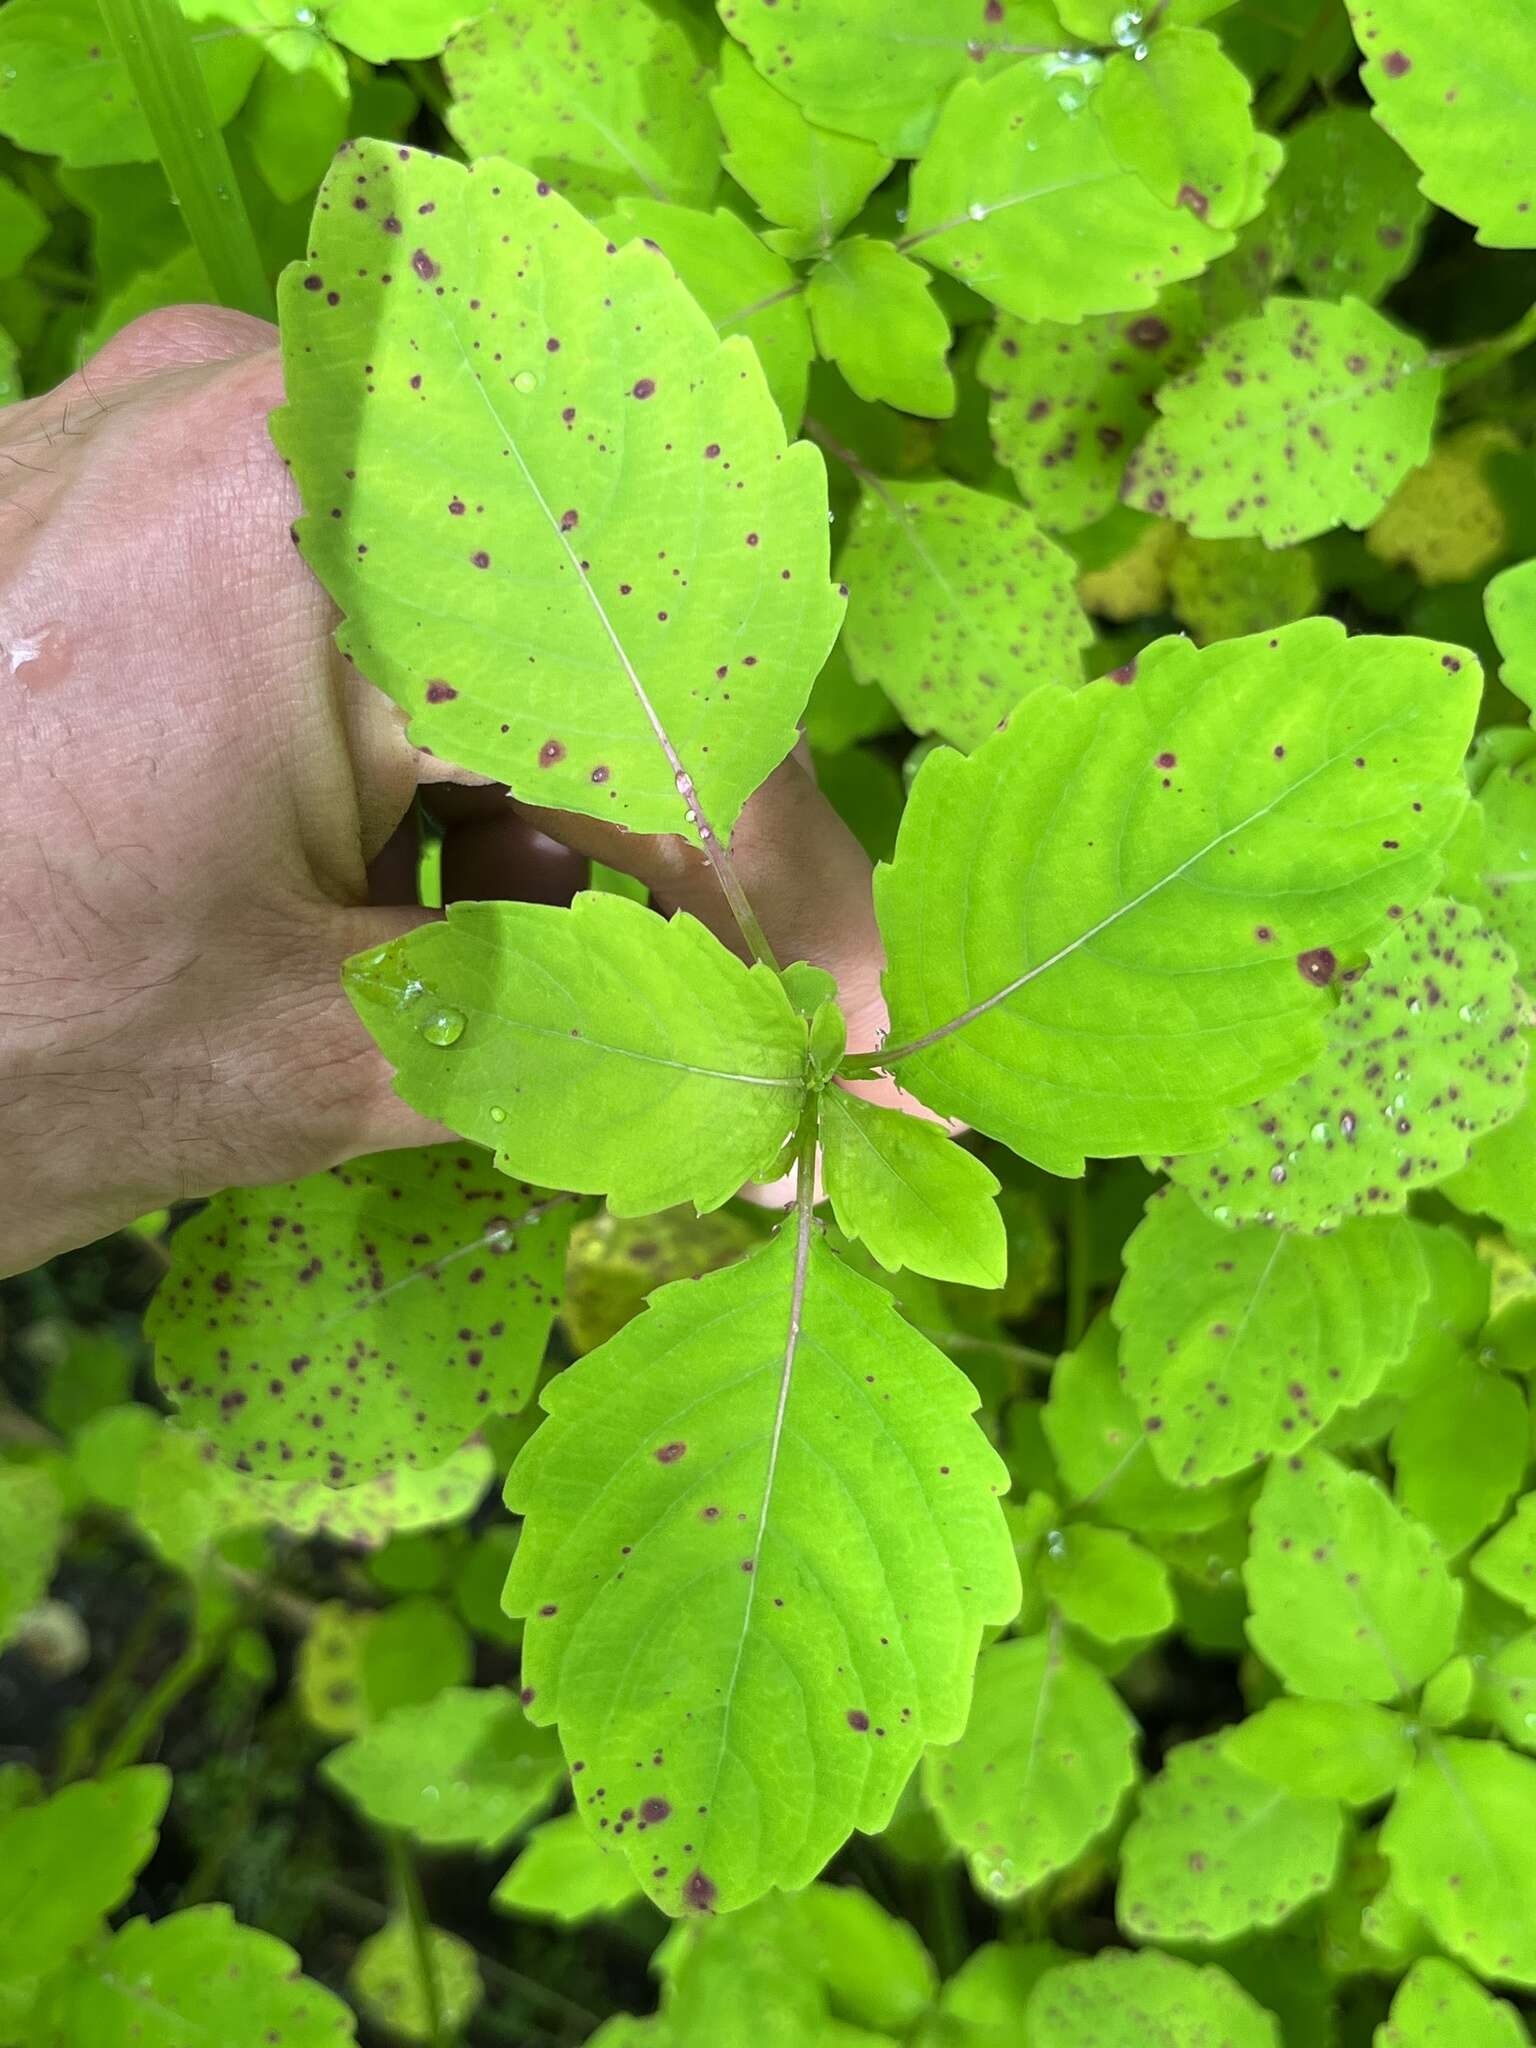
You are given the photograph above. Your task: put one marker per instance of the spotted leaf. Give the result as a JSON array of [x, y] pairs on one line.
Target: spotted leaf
[[1179, 114], [1458, 1839], [1222, 588], [1120, 2000], [1348, 205], [1511, 601], [1439, 2006]]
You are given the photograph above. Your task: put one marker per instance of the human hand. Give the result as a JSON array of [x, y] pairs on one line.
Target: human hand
[[196, 785]]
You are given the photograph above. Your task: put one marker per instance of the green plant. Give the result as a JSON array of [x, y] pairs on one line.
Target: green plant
[[1180, 1598]]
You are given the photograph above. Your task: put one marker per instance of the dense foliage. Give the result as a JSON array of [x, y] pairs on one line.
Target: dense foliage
[[1077, 1587]]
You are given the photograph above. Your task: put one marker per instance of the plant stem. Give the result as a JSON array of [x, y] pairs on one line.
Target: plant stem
[[153, 42], [408, 1884], [1286, 92], [80, 1738], [141, 1727], [1465, 366]]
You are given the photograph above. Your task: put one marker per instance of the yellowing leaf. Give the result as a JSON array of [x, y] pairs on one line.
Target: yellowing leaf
[[1445, 521]]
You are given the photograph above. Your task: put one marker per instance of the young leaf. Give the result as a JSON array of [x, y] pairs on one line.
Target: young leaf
[[65, 92], [913, 1196], [595, 103], [1421, 1056], [1069, 403], [1048, 1755], [1104, 1583], [1440, 2006], [1459, 1841], [800, 174], [193, 1977], [1350, 1598], [387, 1979], [32, 1526], [361, 1319], [464, 1770], [605, 518], [855, 66], [1197, 839], [1511, 602], [1057, 232], [1179, 114], [1221, 588], [385, 31], [958, 606], [742, 286], [1214, 1851], [875, 316], [1349, 204], [1455, 90], [1325, 1749], [1119, 2000], [1460, 1450], [67, 1863], [562, 1036], [1237, 1344], [1506, 1564], [1306, 417], [565, 1876], [746, 1517]]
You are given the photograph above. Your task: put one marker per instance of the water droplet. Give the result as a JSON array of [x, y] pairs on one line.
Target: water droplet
[[525, 381], [1320, 1134], [498, 1115], [442, 1026], [304, 16]]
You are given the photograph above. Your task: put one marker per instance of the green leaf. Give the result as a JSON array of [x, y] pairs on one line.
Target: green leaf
[[1422, 1055], [384, 31], [295, 122], [597, 104], [562, 1036], [1049, 1754], [565, 1876], [1456, 91], [65, 92], [24, 227], [1103, 1582], [32, 1527], [10, 370], [1325, 1749], [1221, 588], [648, 548], [1459, 1452], [874, 315], [464, 1770], [1506, 1563], [1350, 1598], [1448, 521], [854, 65], [1179, 114], [413, 1651], [742, 286], [363, 1318], [1306, 417], [958, 606], [800, 174], [1507, 798], [387, 1978], [1506, 1690], [328, 1673], [1070, 402], [914, 1196], [1237, 1344], [67, 1863], [193, 1980], [1197, 840], [1348, 204], [1061, 231], [1214, 1851], [1511, 602], [1459, 1842], [1119, 2000], [746, 1516], [1499, 1178], [1439, 2006]]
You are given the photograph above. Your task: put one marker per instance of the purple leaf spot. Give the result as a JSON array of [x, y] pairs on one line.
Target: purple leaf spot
[[670, 1453], [1317, 966], [423, 265], [643, 388]]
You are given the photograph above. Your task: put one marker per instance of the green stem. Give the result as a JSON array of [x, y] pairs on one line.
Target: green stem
[[1465, 366], [140, 1728], [408, 1885], [1079, 1253], [80, 1737], [1286, 93], [153, 42]]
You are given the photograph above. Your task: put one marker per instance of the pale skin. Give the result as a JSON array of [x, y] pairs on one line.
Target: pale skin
[[201, 803]]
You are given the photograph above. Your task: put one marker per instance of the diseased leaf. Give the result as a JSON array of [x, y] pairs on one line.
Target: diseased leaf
[[1350, 1598], [1448, 521], [387, 1981], [1104, 1583], [463, 1770], [1197, 841], [855, 66], [1422, 1056], [1222, 588], [1070, 402], [1460, 1450], [1305, 417], [1048, 1755], [1457, 90], [1214, 1851], [875, 316], [1059, 231], [800, 174], [913, 1196], [1499, 1178], [598, 541], [67, 1863], [1238, 1344], [565, 1876], [1506, 1563], [1179, 114], [361, 1319], [1507, 799], [1119, 2000], [1325, 1749], [595, 102], [1349, 203], [1439, 2006], [403, 1499], [1511, 602], [1459, 1842], [958, 606], [746, 1520]]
